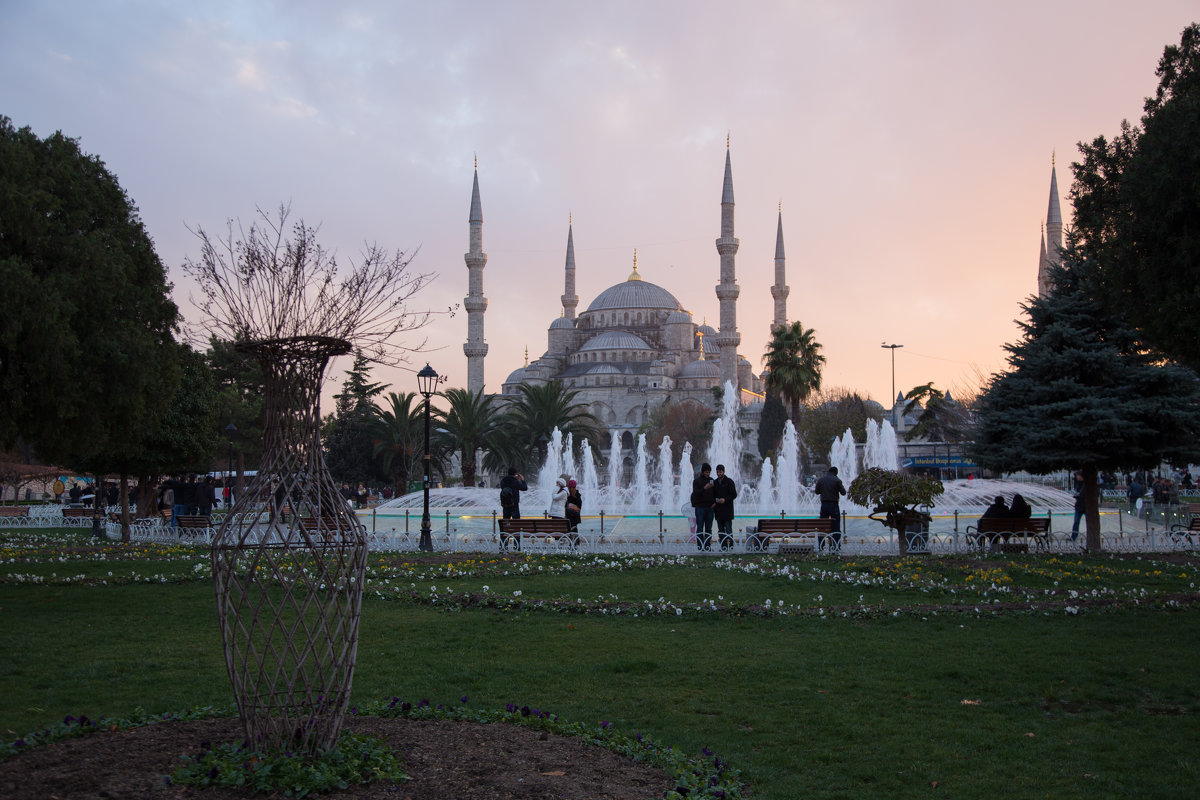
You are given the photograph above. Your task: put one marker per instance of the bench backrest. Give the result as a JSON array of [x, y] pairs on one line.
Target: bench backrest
[[14, 511], [534, 525], [1012, 525], [795, 525]]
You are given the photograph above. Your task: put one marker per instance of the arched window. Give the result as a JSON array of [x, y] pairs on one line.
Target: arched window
[[627, 440]]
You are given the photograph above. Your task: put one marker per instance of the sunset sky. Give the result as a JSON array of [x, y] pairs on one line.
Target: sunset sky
[[909, 144]]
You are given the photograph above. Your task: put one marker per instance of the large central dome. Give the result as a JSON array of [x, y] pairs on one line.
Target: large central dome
[[634, 294]]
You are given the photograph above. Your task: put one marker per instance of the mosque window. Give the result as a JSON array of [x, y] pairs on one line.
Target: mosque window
[[626, 317], [639, 318]]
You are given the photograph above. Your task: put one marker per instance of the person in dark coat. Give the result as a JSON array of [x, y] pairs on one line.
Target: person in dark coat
[[724, 492], [1019, 508], [829, 488], [515, 482], [204, 497], [574, 505], [703, 499]]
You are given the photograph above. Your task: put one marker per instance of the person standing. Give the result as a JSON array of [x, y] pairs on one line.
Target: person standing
[[703, 500], [1080, 504], [828, 488], [724, 492], [511, 486], [558, 498], [574, 505]]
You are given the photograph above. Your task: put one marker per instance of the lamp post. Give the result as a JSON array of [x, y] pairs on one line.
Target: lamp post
[[230, 430], [427, 380], [893, 347]]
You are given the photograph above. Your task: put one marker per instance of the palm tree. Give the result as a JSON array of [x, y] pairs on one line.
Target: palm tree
[[793, 361], [529, 422], [468, 426], [398, 434]]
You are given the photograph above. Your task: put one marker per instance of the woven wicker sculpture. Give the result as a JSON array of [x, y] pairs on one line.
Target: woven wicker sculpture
[[289, 559], [288, 563]]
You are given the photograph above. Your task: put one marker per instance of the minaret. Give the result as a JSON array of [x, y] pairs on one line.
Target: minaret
[[475, 303], [1054, 235], [569, 299], [728, 338], [780, 290]]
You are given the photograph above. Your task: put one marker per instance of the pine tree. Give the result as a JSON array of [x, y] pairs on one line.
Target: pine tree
[[1084, 394]]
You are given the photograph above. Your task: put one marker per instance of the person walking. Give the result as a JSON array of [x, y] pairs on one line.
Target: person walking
[[828, 488], [724, 492], [703, 500]]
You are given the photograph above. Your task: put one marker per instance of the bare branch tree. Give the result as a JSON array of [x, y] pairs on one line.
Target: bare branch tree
[[261, 284]]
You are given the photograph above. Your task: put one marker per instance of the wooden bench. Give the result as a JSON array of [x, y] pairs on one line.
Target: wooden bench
[[14, 511], [193, 521], [995, 532], [77, 513], [544, 529], [806, 532]]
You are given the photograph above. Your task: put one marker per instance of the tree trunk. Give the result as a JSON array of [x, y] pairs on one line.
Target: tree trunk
[[468, 467], [901, 538], [1091, 496], [125, 533]]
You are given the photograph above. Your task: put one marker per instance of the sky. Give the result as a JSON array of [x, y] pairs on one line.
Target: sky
[[908, 146]]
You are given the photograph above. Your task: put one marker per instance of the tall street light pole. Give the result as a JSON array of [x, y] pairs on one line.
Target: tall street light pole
[[427, 380], [893, 347]]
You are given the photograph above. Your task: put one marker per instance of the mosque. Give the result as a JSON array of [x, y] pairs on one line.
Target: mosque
[[634, 347]]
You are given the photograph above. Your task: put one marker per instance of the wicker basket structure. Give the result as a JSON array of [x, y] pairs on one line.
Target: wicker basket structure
[[288, 566]]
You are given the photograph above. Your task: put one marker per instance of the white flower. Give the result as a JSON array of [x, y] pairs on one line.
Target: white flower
[[517, 593]]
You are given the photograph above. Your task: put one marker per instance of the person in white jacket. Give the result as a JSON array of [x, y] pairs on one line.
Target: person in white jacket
[[558, 498]]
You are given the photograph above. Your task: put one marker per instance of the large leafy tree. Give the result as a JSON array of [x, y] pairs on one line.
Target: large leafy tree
[[467, 426], [771, 424], [87, 358], [794, 362], [350, 433], [827, 415], [687, 421], [1083, 393], [240, 400], [1137, 207]]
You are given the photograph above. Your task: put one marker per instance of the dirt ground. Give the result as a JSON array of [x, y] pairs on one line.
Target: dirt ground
[[444, 759]]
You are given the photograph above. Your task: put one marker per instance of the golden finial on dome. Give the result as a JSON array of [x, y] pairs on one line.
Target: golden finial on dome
[[1053, 157], [701, 334], [527, 355], [634, 276], [727, 133]]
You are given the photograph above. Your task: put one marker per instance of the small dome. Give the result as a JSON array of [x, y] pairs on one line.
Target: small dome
[[701, 369], [743, 360], [615, 340], [562, 323], [707, 330], [516, 376], [678, 316], [634, 294], [603, 369]]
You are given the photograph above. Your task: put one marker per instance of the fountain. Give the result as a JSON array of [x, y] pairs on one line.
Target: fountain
[[779, 488]]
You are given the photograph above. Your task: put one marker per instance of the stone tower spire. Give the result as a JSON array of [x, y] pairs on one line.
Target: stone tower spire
[[569, 299], [780, 290], [1054, 234], [728, 337], [475, 303]]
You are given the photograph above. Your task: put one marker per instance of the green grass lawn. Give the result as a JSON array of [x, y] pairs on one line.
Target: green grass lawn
[[1015, 677]]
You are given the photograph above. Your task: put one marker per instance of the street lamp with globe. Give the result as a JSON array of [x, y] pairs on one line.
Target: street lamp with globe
[[427, 381]]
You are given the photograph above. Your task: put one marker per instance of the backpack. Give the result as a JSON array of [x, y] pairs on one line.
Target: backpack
[[508, 497]]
